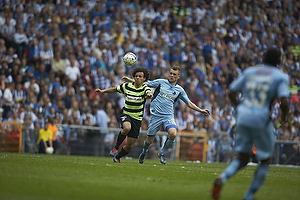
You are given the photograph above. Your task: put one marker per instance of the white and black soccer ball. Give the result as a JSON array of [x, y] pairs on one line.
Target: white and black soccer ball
[[129, 59], [49, 150]]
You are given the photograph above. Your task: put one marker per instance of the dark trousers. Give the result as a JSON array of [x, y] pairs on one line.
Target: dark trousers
[[42, 146]]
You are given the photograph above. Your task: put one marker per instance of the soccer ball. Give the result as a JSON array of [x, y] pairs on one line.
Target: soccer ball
[[129, 59], [49, 150]]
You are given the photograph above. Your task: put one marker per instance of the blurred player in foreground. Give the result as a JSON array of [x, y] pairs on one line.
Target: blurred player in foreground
[[259, 86], [132, 114]]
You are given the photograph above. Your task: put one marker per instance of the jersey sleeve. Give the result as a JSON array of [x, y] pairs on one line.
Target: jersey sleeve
[[283, 87], [120, 88], [184, 97], [154, 83], [147, 89]]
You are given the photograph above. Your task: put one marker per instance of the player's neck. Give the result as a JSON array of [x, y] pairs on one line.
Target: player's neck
[[173, 83], [137, 85]]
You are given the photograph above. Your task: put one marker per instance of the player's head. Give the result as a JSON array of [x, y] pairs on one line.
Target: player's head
[[272, 57], [141, 69], [174, 74]]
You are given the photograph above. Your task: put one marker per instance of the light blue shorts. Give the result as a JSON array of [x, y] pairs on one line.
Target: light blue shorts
[[155, 122], [263, 138]]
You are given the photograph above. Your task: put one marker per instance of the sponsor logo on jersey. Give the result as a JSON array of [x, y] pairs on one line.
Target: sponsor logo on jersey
[[131, 98], [167, 96]]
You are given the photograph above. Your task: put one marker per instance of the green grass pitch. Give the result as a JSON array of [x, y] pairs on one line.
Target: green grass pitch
[[43, 177]]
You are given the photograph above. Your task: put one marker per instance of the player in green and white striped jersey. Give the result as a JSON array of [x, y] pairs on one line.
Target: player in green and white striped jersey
[[132, 113]]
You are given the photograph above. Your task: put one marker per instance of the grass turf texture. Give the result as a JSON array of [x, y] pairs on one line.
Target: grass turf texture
[[33, 176]]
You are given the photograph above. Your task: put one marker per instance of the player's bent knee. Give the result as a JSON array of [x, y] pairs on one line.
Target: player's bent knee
[[172, 136], [172, 133], [126, 130]]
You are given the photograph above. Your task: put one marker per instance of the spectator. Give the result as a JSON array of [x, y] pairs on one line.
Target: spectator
[[8, 98], [21, 40], [109, 139], [54, 130], [212, 147], [72, 71], [29, 138], [46, 56], [31, 85], [45, 138], [14, 134], [19, 94]]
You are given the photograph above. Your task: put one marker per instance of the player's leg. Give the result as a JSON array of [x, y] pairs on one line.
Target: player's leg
[[132, 137], [244, 148], [264, 142], [126, 127], [153, 128], [147, 143], [171, 128], [125, 150]]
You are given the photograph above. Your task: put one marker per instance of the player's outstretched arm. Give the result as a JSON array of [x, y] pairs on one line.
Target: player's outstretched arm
[[108, 90], [196, 108]]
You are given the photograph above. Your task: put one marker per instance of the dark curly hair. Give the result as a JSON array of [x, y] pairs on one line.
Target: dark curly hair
[[141, 69], [272, 57]]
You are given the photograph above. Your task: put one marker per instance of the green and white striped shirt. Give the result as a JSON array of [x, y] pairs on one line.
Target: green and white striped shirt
[[134, 99]]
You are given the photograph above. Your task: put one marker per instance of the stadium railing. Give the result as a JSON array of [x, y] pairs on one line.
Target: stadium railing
[[276, 158], [189, 146]]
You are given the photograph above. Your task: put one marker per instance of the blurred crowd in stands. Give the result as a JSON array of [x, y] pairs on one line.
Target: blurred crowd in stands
[[54, 53]]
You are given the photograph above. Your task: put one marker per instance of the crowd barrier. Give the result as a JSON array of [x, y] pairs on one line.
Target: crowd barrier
[[89, 140]]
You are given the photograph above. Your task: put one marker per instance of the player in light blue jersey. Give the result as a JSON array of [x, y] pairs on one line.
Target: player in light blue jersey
[[162, 111], [260, 86]]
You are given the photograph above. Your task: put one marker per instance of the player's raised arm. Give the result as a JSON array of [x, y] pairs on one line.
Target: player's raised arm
[[108, 90], [127, 79]]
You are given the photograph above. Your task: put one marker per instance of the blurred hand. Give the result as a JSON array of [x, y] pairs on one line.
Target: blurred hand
[[127, 79], [205, 111], [98, 90], [149, 95]]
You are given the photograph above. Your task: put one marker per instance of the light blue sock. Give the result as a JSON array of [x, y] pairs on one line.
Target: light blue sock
[[145, 147], [231, 170], [259, 178], [166, 146]]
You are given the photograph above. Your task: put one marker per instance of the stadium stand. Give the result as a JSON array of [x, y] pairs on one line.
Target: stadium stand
[[54, 53]]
